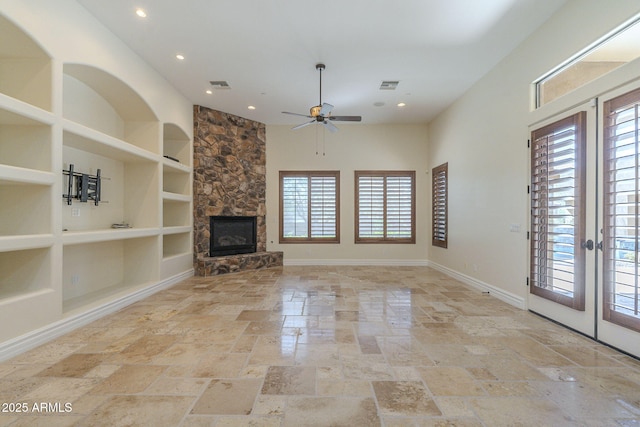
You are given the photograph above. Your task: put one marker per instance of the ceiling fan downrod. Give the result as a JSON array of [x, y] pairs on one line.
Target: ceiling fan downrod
[[320, 67]]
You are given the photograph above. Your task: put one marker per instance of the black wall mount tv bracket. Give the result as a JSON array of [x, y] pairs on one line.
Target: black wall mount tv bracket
[[82, 186]]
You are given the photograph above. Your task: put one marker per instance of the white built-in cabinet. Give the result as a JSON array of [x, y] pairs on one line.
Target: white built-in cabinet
[[58, 259]]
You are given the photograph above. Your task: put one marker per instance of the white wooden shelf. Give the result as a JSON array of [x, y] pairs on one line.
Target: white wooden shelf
[[21, 242], [11, 175], [17, 112], [86, 139], [175, 167], [174, 197], [177, 230], [105, 235]]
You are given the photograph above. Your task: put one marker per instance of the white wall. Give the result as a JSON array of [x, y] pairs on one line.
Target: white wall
[[354, 147], [483, 137]]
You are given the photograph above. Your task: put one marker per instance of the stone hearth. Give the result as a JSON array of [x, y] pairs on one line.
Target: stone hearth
[[211, 266], [229, 180]]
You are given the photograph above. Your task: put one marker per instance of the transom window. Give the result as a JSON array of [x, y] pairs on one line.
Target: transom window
[[309, 207], [385, 207], [615, 49]]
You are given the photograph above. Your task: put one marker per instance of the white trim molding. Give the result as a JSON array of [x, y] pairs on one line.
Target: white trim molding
[[28, 341], [502, 295]]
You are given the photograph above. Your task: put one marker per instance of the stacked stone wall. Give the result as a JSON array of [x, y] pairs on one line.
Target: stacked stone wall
[[229, 171]]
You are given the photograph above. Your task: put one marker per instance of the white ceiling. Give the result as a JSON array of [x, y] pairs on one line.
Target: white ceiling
[[267, 50]]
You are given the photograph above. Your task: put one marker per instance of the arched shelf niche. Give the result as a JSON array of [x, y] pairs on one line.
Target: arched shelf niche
[[25, 67], [100, 101], [176, 143]]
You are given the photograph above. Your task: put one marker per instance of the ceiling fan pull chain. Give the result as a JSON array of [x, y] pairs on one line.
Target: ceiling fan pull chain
[[323, 145]]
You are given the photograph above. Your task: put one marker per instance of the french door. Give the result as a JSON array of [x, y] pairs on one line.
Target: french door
[[585, 219], [561, 279]]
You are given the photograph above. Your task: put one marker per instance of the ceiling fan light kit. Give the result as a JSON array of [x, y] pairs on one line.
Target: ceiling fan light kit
[[321, 113]]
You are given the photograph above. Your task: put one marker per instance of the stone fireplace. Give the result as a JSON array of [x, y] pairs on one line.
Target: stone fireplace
[[229, 172]]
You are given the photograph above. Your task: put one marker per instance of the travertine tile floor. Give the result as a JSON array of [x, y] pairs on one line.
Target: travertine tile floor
[[322, 346]]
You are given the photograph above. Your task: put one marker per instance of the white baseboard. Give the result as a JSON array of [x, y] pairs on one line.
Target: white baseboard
[[502, 295], [30, 340], [355, 262]]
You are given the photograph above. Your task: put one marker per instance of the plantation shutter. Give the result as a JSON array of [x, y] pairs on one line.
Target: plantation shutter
[[399, 207], [439, 180], [621, 210], [323, 206], [295, 212], [385, 207], [371, 207], [557, 211], [309, 207]]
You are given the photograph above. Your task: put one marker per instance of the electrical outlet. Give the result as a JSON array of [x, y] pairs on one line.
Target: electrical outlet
[[75, 279], [75, 211]]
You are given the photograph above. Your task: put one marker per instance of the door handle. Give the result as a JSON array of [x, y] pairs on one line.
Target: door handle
[[587, 245]]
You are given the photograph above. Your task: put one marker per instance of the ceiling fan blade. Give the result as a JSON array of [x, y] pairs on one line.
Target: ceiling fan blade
[[303, 125], [345, 118], [326, 109], [330, 126], [296, 114]]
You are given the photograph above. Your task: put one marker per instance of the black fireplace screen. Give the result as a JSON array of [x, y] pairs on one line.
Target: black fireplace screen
[[231, 235]]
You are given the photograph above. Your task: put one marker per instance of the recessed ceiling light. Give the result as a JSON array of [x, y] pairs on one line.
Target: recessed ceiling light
[[180, 57], [401, 104], [209, 92], [141, 13], [251, 107]]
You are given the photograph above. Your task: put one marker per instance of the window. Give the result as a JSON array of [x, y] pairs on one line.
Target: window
[[557, 211], [615, 49], [439, 180], [622, 210], [385, 207], [309, 207]]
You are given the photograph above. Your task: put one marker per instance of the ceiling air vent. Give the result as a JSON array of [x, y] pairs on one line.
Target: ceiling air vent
[[389, 85], [220, 84]]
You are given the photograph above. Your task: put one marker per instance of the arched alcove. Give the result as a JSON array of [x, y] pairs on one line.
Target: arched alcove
[[99, 100], [25, 67]]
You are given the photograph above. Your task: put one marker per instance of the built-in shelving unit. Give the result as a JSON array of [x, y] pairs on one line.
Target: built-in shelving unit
[[26, 181], [60, 258], [112, 130], [177, 199]]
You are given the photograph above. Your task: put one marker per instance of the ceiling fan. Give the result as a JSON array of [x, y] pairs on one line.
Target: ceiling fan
[[321, 113]]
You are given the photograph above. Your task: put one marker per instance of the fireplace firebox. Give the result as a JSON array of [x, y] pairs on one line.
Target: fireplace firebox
[[232, 235]]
